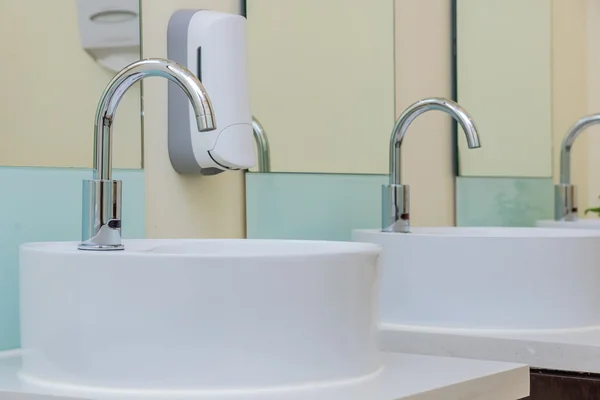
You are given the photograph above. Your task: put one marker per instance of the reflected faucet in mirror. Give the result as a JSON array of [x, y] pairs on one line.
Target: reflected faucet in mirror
[[102, 196], [565, 202], [396, 196], [262, 146]]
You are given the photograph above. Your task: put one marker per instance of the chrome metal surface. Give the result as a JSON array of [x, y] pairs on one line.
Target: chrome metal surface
[[262, 146], [565, 207], [395, 208], [109, 101], [565, 202], [101, 219], [101, 224], [396, 212]]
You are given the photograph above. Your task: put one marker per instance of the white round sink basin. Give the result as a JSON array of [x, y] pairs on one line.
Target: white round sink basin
[[489, 278], [198, 315], [579, 224]]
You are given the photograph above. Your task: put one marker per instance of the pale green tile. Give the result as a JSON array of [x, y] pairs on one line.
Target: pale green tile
[[494, 201], [44, 204], [311, 206]]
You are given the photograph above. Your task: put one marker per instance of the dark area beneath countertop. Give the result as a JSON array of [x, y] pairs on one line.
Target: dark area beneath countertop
[[564, 385]]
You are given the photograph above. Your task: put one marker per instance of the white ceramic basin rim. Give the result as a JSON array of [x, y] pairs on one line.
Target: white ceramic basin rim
[[207, 248], [579, 224], [496, 232], [199, 314], [489, 278]]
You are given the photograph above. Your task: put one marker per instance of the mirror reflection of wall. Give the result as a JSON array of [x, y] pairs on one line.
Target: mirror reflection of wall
[[525, 71], [50, 90], [322, 82], [341, 189], [504, 79]]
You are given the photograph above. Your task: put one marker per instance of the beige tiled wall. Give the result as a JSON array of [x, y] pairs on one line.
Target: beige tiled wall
[[593, 92], [570, 87], [423, 69], [49, 90]]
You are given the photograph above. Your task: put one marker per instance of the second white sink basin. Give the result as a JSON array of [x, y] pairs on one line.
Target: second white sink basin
[[198, 316], [489, 278], [579, 224]]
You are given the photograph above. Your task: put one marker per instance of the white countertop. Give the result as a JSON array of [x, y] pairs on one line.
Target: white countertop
[[404, 377], [565, 350]]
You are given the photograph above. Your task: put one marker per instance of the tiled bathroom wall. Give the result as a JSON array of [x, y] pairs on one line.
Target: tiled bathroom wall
[[44, 204], [329, 206]]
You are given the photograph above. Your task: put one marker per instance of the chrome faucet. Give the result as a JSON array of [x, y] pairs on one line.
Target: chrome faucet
[[102, 196], [396, 196], [262, 146], [565, 194]]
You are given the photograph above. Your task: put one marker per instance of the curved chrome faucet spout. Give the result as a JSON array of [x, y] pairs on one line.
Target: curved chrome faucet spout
[[411, 113], [101, 223], [396, 196], [569, 141], [262, 146], [565, 204], [112, 95]]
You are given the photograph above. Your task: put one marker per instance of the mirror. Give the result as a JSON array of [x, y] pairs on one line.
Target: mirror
[[51, 84], [322, 82], [405, 54], [521, 71], [504, 79], [527, 72]]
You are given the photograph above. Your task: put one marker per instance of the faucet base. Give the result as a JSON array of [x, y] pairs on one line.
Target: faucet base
[[395, 208], [100, 247], [101, 219], [565, 202]]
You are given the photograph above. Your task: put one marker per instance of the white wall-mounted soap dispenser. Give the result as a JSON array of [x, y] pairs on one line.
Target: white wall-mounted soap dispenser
[[110, 31], [213, 46]]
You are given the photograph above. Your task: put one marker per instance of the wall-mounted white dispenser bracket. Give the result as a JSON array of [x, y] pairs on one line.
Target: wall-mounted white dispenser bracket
[[213, 46], [110, 31]]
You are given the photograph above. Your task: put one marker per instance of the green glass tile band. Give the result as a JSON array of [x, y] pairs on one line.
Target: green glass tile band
[[311, 206], [490, 201]]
